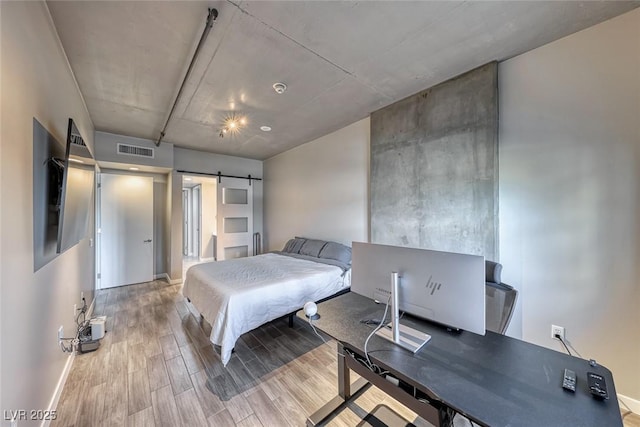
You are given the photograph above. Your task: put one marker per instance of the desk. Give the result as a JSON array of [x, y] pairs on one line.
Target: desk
[[494, 380]]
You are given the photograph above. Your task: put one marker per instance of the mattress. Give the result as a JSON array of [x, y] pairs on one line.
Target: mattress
[[236, 296]]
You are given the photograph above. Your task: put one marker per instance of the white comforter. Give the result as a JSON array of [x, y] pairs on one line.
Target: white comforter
[[239, 295]]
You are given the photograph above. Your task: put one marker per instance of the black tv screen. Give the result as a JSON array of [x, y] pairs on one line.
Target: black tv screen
[[76, 197]]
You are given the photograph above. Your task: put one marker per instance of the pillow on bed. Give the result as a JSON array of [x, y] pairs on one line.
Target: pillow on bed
[[337, 251], [312, 247], [293, 246]]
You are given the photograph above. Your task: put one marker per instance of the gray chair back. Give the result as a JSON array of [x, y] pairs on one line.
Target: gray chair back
[[500, 299]]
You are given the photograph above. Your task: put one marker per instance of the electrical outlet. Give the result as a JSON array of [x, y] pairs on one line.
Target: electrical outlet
[[557, 330], [60, 333]]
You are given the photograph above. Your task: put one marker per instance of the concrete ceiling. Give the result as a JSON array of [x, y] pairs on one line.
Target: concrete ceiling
[[340, 60]]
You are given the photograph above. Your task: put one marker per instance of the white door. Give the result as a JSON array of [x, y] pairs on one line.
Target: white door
[[234, 218], [126, 230]]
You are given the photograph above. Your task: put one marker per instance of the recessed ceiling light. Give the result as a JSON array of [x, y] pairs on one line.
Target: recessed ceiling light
[[187, 178], [265, 128], [134, 169]]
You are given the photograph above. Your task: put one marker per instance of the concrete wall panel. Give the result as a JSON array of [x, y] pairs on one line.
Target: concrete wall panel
[[434, 167]]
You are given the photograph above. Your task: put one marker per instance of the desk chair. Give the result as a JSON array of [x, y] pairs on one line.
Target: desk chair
[[500, 299]]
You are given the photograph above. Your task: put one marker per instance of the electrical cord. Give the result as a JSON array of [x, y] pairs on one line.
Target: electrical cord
[[563, 343], [314, 330], [574, 349], [373, 367], [568, 345], [82, 330]]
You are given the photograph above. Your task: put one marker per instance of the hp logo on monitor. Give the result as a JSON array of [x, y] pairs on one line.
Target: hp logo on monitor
[[433, 286]]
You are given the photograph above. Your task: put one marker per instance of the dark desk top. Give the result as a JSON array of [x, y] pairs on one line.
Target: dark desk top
[[494, 379]]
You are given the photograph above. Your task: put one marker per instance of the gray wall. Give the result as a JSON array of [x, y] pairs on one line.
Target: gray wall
[[434, 167], [107, 150], [319, 189], [570, 193], [36, 82]]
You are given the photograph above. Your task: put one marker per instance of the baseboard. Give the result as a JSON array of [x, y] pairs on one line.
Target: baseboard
[[63, 379], [166, 278], [633, 404]]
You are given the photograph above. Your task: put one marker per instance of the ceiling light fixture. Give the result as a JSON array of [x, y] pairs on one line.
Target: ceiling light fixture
[[279, 88], [265, 128], [186, 178], [232, 125]]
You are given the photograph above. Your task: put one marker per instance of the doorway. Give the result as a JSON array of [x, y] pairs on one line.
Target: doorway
[[199, 231], [191, 221]]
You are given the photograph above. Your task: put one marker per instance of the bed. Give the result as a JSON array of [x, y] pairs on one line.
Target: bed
[[236, 296]]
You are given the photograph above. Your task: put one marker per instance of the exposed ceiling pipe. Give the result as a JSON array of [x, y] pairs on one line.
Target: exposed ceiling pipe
[[211, 17]]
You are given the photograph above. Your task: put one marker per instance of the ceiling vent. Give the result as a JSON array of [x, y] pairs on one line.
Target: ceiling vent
[[77, 140], [134, 150]]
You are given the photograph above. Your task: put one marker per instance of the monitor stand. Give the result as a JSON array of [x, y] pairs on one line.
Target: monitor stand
[[402, 335]]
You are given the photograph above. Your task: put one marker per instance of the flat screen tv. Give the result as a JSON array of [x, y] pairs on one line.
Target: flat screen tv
[[76, 192]]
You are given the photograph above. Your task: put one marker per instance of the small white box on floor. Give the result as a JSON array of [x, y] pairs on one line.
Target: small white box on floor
[[98, 325]]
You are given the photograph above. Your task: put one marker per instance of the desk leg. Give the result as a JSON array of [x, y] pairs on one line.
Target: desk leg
[[344, 375], [344, 391]]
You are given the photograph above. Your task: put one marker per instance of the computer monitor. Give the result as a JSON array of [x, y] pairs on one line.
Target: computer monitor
[[444, 287]]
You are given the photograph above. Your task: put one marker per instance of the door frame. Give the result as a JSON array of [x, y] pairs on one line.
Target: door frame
[[186, 209], [196, 220]]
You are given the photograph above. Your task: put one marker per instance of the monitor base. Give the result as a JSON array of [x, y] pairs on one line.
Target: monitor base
[[409, 338]]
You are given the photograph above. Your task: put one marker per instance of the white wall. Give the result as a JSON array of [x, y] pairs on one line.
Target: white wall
[[570, 192], [319, 189], [36, 82]]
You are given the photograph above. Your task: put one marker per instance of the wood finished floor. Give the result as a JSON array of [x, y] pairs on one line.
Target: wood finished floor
[[156, 367]]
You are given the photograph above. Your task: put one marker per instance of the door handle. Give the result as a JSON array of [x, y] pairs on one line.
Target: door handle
[[147, 241]]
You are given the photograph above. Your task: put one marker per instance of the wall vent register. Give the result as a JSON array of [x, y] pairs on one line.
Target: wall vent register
[[135, 150]]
